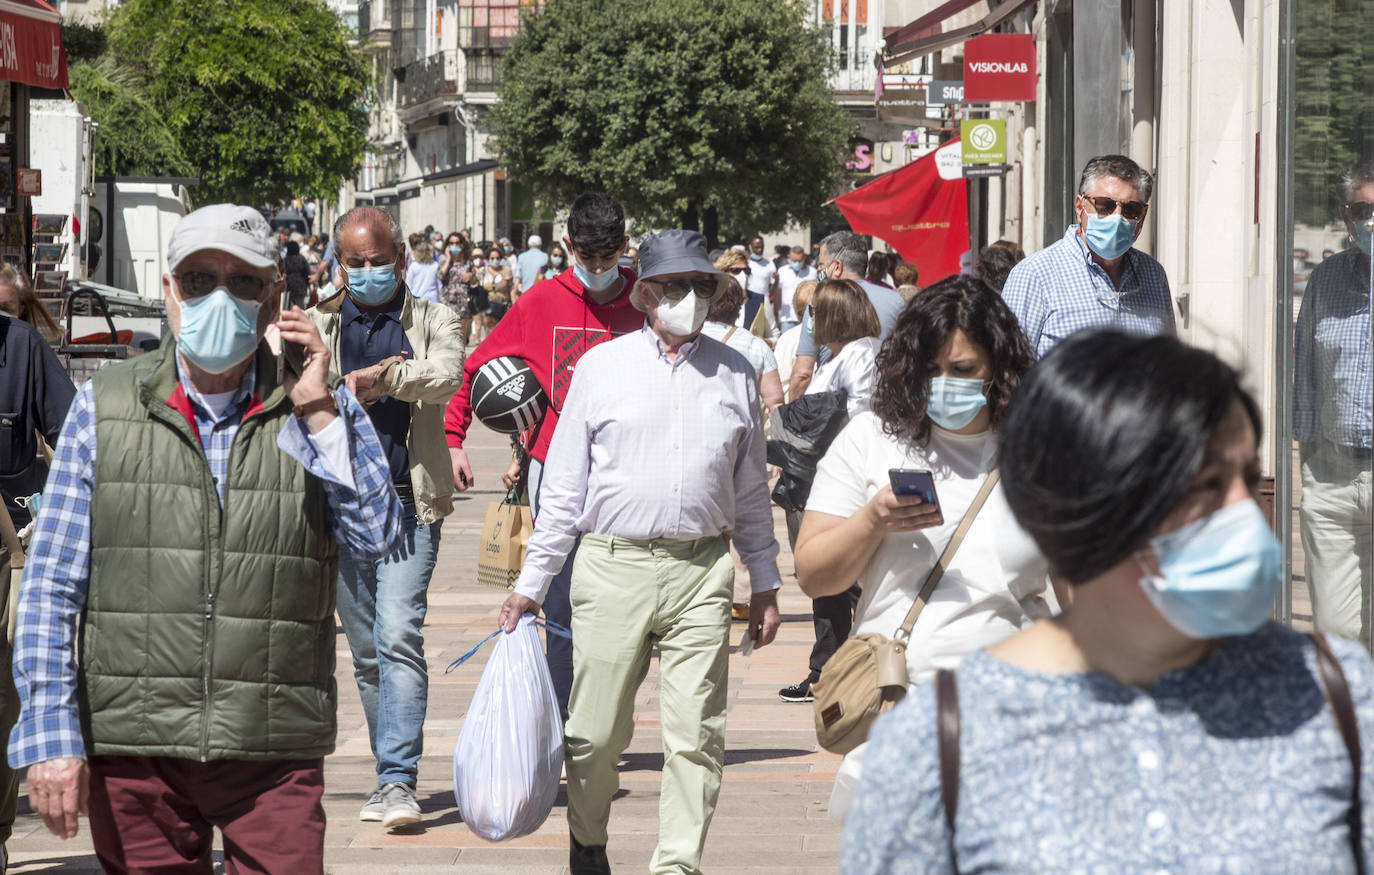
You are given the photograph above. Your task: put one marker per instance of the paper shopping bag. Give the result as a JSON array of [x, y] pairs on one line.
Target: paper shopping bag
[[505, 534]]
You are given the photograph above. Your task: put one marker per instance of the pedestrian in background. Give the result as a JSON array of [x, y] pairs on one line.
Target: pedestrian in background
[[422, 276], [455, 277], [652, 571], [1333, 409], [296, 270], [174, 651], [530, 263], [18, 299], [846, 324], [880, 266], [996, 261], [1168, 723], [905, 276], [1092, 277], [842, 255], [786, 349], [550, 328], [558, 262], [401, 355], [498, 282], [793, 272], [944, 379], [761, 283]]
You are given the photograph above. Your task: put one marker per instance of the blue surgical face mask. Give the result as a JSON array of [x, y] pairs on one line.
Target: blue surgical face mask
[[372, 286], [556, 260], [218, 330], [1109, 237], [1218, 575], [797, 266], [954, 402], [455, 249], [596, 282]]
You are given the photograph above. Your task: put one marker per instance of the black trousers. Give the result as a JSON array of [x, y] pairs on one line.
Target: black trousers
[[832, 616]]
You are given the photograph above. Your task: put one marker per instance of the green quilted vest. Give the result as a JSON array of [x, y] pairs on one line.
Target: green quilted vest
[[208, 633]]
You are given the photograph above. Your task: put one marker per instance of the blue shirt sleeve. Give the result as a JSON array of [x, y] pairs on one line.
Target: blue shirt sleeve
[[366, 517], [53, 597], [1026, 299]]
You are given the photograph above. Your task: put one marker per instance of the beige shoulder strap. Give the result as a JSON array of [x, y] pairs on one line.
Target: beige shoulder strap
[[726, 338], [933, 579]]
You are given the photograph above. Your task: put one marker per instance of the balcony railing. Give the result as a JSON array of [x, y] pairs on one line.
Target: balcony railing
[[482, 68], [428, 78]]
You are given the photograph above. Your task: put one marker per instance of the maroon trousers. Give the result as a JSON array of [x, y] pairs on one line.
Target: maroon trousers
[[156, 814]]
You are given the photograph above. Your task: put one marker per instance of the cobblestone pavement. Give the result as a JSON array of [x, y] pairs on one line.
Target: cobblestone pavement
[[772, 812]]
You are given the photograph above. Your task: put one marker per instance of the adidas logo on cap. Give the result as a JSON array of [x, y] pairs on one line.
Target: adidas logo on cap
[[242, 226]]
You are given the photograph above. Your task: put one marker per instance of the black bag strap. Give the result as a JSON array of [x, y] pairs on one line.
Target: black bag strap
[[947, 726], [1338, 696]]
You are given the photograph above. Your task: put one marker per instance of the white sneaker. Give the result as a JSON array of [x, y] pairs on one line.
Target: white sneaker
[[399, 806]]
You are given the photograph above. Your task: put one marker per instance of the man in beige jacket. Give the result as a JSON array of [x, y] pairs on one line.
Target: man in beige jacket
[[403, 358]]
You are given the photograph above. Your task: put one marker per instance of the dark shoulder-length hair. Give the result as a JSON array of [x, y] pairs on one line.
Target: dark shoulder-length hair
[[1104, 440], [906, 362]]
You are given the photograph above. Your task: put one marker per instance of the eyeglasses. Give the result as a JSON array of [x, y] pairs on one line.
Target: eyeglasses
[[676, 290], [196, 284], [1132, 211], [1360, 211]]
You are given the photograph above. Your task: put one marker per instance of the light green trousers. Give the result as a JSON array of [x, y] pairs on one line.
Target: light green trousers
[[629, 597]]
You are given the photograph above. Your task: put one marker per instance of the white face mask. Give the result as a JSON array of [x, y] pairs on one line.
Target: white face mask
[[685, 317]]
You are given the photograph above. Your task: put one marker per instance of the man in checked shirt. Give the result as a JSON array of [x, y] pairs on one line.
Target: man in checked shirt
[[190, 531], [1332, 417], [659, 453]]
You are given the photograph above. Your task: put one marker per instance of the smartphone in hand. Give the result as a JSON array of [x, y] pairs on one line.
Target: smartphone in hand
[[911, 481], [290, 355]]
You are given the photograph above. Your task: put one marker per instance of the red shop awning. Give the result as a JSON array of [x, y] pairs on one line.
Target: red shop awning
[[31, 44]]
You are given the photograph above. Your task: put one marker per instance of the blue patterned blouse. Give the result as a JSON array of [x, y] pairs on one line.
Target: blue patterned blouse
[[1232, 765]]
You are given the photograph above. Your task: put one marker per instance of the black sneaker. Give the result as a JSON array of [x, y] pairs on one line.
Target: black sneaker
[[587, 859], [798, 692]]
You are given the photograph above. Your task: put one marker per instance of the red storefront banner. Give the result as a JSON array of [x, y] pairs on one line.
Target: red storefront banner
[[921, 214], [31, 44], [999, 66]]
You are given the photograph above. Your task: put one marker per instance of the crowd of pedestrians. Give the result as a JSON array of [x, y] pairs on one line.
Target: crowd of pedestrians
[[1023, 486]]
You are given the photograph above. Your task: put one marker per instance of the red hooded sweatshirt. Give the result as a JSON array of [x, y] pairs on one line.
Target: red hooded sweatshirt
[[550, 327]]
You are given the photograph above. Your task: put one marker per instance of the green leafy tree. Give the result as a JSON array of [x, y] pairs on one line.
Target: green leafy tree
[[133, 140], [687, 111], [264, 97]]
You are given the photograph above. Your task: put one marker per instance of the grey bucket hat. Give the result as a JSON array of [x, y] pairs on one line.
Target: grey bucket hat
[[672, 252]]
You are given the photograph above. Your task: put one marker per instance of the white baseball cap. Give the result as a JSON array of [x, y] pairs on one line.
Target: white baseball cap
[[240, 231]]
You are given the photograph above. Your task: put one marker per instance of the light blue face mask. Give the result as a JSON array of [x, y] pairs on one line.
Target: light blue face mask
[[596, 282], [1218, 575], [372, 286], [218, 330], [954, 402], [1109, 237]]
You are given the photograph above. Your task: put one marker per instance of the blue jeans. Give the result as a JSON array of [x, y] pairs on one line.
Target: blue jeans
[[558, 651], [382, 606]]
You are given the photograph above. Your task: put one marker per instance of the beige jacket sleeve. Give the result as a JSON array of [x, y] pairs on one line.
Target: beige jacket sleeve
[[434, 377]]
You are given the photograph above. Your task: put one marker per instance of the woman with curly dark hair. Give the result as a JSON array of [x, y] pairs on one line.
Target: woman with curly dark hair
[[944, 378]]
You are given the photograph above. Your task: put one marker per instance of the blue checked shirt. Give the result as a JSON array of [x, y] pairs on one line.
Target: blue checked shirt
[[365, 517], [1332, 398], [1060, 290]]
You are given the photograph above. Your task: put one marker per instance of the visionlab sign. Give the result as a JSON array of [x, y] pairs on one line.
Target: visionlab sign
[[999, 67]]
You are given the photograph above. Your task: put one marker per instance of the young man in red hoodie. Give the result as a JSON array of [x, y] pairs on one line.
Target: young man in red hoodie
[[550, 326]]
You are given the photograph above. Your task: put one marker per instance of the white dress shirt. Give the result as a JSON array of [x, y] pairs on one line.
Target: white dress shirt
[[649, 448], [788, 280]]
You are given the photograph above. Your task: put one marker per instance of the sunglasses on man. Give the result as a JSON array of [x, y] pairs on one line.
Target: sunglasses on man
[[196, 284], [1132, 211], [1359, 211], [676, 290]]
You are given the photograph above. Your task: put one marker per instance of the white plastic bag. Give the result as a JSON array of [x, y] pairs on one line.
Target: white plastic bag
[[509, 756]]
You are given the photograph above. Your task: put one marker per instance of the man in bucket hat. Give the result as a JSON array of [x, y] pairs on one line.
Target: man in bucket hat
[[652, 483], [174, 652]]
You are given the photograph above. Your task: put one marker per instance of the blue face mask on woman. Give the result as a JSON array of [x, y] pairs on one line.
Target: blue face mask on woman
[[372, 286], [1109, 236], [1218, 575], [218, 330], [954, 402]]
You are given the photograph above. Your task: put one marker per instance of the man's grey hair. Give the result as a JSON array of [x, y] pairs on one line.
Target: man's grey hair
[[797, 250], [849, 249], [1119, 167], [367, 214], [1352, 178]]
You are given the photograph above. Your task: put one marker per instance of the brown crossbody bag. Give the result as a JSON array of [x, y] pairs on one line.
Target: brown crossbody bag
[[1334, 685], [867, 674]]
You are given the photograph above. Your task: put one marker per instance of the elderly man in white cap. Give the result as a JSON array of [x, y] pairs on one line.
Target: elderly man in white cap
[[190, 531], [530, 262], [652, 485]]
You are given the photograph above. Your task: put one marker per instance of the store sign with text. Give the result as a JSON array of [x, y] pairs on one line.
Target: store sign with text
[[999, 67], [860, 156]]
